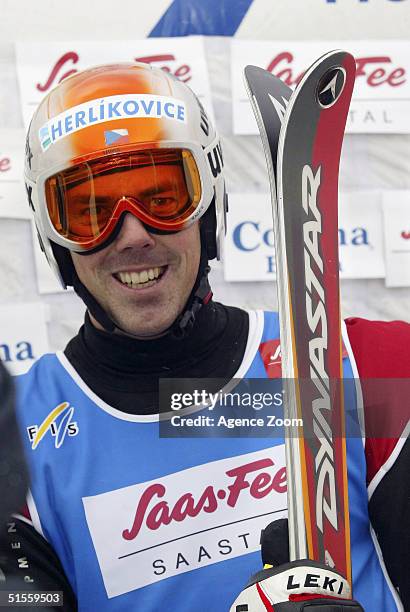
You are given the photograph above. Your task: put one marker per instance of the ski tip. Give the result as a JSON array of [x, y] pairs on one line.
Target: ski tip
[[251, 67], [258, 80], [253, 70], [332, 60], [330, 76], [250, 71]]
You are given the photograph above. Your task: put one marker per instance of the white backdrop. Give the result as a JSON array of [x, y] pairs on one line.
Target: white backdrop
[[369, 162]]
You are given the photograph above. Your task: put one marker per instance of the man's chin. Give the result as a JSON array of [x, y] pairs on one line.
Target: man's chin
[[149, 329]]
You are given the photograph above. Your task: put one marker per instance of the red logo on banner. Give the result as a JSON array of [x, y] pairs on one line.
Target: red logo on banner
[[72, 58], [378, 74], [4, 164], [271, 357], [59, 70], [253, 479], [182, 72], [281, 67], [377, 70]]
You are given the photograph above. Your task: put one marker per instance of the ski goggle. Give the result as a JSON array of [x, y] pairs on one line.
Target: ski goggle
[[161, 187]]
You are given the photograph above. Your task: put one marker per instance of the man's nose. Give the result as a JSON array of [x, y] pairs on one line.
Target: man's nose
[[133, 234]]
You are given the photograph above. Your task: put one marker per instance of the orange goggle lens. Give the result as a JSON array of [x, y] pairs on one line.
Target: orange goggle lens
[[161, 187]]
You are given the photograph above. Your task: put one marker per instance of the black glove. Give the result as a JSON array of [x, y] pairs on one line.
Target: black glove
[[293, 587]]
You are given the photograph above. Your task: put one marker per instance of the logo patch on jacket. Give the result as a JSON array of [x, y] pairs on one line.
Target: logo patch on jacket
[[271, 357], [184, 521], [58, 422]]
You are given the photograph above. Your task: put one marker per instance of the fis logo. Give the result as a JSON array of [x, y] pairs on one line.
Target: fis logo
[[58, 422]]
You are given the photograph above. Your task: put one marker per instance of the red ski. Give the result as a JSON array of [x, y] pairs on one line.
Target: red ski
[[305, 210]]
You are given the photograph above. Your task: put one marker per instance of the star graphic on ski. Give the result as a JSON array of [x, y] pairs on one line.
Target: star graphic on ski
[[331, 86]]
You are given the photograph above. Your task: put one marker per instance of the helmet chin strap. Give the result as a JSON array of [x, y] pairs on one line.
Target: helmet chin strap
[[200, 295]]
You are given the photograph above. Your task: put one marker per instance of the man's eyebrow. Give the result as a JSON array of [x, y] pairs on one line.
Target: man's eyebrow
[[165, 186], [86, 199]]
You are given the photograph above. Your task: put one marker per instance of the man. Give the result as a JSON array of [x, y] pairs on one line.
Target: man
[[124, 175]]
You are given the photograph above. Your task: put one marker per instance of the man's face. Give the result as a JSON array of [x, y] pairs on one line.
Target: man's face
[[142, 280]]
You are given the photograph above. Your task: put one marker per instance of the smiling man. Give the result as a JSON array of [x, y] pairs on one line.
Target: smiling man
[[142, 281], [124, 176]]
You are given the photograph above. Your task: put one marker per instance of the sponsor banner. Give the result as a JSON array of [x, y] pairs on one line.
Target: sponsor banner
[[361, 246], [249, 244], [150, 531], [41, 66], [23, 335], [382, 89], [249, 253], [308, 19], [13, 199], [46, 280], [396, 207]]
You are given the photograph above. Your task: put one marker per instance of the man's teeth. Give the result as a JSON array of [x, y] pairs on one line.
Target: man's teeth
[[133, 279]]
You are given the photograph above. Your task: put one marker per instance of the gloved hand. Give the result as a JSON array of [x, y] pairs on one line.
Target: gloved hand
[[292, 587]]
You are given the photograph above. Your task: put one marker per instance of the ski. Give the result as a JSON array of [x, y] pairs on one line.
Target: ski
[[269, 97], [303, 169]]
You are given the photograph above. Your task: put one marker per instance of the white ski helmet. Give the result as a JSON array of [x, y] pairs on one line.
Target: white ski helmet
[[104, 122]]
